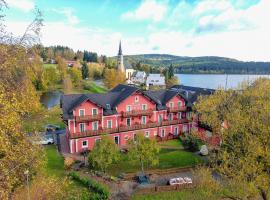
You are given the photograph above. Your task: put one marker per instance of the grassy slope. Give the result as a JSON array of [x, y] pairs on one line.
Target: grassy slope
[[168, 158], [186, 194], [172, 143]]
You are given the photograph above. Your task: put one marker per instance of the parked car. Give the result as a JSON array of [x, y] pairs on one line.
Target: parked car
[[180, 181], [45, 140]]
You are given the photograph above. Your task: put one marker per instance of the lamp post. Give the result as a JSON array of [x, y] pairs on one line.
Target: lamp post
[[27, 182]]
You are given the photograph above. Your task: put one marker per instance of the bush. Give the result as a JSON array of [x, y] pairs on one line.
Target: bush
[[100, 192], [191, 143], [68, 162]]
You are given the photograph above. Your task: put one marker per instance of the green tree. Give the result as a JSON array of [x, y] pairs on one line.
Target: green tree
[[171, 71], [144, 150], [104, 154], [76, 76], [241, 118], [85, 70]]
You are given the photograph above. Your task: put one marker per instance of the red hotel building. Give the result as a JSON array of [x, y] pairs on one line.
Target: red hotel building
[[122, 113]]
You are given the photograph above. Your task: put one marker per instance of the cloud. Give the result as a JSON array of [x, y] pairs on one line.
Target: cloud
[[148, 10], [23, 5], [68, 13]]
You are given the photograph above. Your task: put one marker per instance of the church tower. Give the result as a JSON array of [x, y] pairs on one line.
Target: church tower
[[120, 60]]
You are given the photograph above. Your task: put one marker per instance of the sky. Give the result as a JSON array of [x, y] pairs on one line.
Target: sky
[[237, 29]]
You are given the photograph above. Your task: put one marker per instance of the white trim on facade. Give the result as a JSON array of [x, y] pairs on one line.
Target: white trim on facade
[[71, 146]]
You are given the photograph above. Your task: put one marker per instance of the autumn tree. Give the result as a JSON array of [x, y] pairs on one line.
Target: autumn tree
[[144, 150], [113, 77], [105, 153], [67, 84], [62, 67], [241, 118], [172, 81], [76, 76], [18, 101]]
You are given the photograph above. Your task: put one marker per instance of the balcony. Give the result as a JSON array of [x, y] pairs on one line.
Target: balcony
[[135, 113], [177, 109], [126, 128], [88, 118]]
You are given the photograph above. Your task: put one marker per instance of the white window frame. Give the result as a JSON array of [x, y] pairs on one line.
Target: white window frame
[[117, 136], [144, 105], [163, 133], [144, 120], [108, 123], [137, 99], [147, 134], [179, 115], [185, 128], [175, 132], [85, 146], [171, 104], [80, 112], [83, 127], [160, 117], [170, 116], [93, 111], [129, 120], [95, 122], [179, 104], [127, 108]]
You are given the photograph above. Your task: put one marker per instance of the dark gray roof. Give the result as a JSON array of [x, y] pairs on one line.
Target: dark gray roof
[[113, 98], [191, 93], [161, 97]]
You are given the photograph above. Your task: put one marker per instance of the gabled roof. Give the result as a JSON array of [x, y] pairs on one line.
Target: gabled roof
[[161, 97]]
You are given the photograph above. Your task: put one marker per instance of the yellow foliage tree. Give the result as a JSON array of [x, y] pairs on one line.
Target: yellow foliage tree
[[113, 77]]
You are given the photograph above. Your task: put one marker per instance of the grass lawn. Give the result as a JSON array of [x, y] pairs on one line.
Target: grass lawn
[[172, 143], [49, 65], [55, 162], [192, 194], [168, 158], [90, 87]]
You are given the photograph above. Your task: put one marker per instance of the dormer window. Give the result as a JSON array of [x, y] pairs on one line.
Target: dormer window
[[81, 112], [108, 106]]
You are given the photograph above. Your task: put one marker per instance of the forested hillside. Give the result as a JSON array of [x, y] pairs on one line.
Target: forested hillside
[[206, 64]]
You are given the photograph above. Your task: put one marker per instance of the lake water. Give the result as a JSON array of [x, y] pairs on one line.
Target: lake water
[[215, 81], [50, 99]]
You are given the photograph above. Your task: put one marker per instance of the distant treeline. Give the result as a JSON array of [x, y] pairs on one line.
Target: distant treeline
[[205, 64]]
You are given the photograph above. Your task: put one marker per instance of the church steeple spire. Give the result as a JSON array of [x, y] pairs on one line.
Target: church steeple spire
[[120, 59], [120, 49]]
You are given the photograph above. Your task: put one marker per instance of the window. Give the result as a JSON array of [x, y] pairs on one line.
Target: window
[[160, 118], [94, 126], [81, 112], [108, 106], [84, 144], [171, 104], [144, 107], [147, 134], [128, 121], [82, 127], [175, 131], [185, 128], [143, 119], [179, 104], [116, 139], [109, 124], [163, 133], [128, 108], [94, 111], [136, 99], [170, 116], [179, 115]]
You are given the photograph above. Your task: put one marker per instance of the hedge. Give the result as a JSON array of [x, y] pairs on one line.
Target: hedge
[[100, 192]]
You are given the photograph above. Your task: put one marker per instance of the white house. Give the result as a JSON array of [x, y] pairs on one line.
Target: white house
[[138, 77], [155, 80]]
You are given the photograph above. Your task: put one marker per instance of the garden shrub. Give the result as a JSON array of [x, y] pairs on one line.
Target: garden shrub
[[191, 143], [100, 192], [68, 162]]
